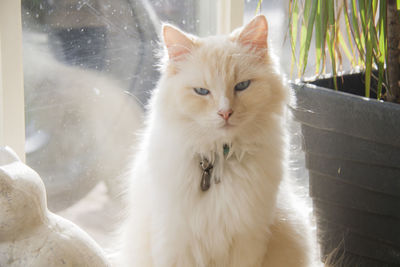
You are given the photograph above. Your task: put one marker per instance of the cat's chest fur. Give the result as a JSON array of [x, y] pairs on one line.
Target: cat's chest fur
[[207, 224]]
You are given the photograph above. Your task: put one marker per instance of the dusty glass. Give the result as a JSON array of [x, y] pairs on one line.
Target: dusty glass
[[89, 68]]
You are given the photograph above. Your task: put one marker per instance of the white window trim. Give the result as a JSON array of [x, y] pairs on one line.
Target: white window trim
[[229, 15], [12, 118], [207, 11], [219, 17]]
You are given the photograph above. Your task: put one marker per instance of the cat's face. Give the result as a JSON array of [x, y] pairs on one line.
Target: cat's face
[[223, 85]]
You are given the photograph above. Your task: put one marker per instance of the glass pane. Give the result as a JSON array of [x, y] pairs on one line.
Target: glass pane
[[88, 71]]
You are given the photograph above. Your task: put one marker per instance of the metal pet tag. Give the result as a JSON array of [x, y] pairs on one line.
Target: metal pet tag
[[205, 181], [206, 175]]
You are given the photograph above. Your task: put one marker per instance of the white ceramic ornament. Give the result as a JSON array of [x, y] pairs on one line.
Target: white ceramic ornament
[[30, 235]]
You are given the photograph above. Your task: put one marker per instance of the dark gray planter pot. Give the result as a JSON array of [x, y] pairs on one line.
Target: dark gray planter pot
[[352, 147]]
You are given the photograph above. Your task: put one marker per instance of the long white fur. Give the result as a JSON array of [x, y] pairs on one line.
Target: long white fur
[[249, 218]]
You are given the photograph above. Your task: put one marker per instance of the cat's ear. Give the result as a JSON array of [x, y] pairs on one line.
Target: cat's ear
[[255, 33], [178, 43]]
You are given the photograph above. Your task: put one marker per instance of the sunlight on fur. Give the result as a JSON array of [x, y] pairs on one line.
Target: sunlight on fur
[[249, 215]]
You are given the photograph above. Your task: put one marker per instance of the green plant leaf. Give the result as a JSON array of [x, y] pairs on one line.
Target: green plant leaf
[[372, 28], [349, 36], [306, 32], [331, 35], [382, 46], [303, 34], [321, 25], [318, 37], [293, 19], [361, 8], [368, 24], [374, 7], [345, 48], [258, 8], [368, 69], [355, 28]]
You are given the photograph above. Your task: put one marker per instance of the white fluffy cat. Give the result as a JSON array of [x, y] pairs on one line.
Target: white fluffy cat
[[220, 99]]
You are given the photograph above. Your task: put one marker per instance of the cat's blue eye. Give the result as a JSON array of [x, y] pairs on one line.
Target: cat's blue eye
[[242, 85], [201, 91]]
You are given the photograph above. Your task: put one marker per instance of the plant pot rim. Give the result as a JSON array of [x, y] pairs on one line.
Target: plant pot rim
[[345, 113], [361, 99]]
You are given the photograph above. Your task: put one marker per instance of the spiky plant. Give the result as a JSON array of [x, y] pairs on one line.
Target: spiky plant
[[364, 32]]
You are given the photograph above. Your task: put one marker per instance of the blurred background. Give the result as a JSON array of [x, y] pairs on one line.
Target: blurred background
[[89, 68]]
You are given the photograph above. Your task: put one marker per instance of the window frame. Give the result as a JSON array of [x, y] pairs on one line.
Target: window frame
[[230, 15], [12, 113]]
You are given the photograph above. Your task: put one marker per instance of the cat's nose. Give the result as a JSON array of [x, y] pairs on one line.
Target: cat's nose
[[225, 114]]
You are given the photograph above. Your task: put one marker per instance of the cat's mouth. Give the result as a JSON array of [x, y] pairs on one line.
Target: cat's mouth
[[227, 125]]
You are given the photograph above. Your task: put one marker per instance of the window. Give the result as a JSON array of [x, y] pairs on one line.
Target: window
[[88, 70], [11, 87]]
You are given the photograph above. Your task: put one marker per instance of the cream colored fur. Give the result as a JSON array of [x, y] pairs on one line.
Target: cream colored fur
[[249, 218]]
